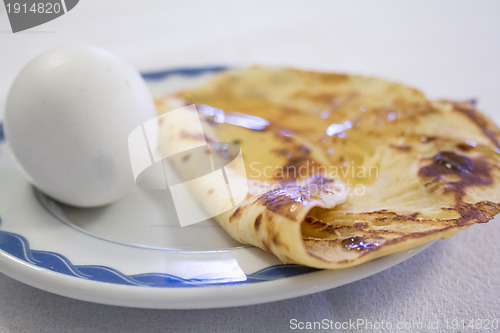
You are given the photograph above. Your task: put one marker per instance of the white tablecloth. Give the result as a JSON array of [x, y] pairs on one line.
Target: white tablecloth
[[448, 49]]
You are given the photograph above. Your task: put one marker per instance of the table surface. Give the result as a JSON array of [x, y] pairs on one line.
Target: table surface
[[448, 49]]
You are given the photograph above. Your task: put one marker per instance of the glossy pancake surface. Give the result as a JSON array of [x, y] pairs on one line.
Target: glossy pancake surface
[[342, 169]]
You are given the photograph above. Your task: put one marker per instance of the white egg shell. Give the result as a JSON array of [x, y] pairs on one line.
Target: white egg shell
[[67, 119]]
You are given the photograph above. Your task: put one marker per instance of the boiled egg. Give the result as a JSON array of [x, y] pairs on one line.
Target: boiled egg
[[67, 119]]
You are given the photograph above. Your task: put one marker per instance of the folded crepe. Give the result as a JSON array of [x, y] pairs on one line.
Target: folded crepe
[[339, 169]]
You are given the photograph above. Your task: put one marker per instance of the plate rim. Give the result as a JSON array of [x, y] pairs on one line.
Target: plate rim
[[189, 298]]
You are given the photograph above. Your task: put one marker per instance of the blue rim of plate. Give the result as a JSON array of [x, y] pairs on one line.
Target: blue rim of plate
[[18, 246]]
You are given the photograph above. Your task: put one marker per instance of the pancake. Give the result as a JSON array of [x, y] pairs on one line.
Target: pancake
[[339, 169]]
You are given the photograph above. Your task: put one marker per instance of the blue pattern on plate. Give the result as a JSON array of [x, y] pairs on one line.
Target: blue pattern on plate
[[161, 75], [18, 246]]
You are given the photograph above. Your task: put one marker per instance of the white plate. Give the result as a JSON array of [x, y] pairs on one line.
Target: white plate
[[134, 253]]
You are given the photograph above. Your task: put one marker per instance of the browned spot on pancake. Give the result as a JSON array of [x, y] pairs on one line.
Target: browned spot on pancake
[[409, 217], [192, 136], [480, 212], [401, 147], [186, 157], [211, 191], [472, 172], [279, 202], [282, 152], [472, 103], [237, 142], [210, 120], [314, 255], [363, 227], [359, 244], [427, 139], [311, 220], [381, 221], [284, 200], [295, 163], [236, 214], [258, 221], [320, 225], [303, 149], [298, 167], [480, 121], [380, 211], [464, 147], [299, 151], [285, 138]]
